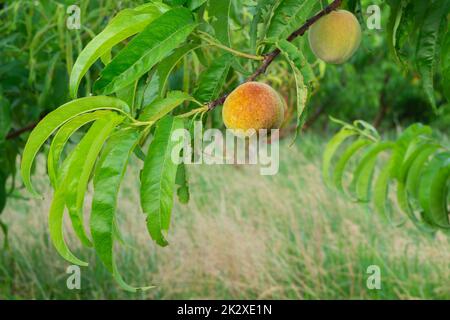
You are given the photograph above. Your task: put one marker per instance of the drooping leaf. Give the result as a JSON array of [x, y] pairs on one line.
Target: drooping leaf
[[395, 17], [257, 18], [363, 174], [162, 106], [79, 173], [154, 43], [5, 118], [445, 65], [125, 24], [289, 16], [57, 118], [330, 150], [427, 45], [212, 80], [61, 138], [168, 64], [219, 12], [297, 62], [99, 129], [415, 171], [158, 179], [107, 180], [195, 4], [344, 160], [433, 189], [182, 182]]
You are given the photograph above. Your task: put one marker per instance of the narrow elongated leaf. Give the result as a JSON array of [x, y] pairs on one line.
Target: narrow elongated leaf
[[183, 185], [289, 16], [61, 138], [219, 11], [297, 63], [162, 106], [330, 151], [82, 164], [445, 65], [433, 189], [395, 17], [168, 64], [158, 179], [99, 128], [381, 190], [107, 180], [344, 160], [125, 24], [427, 45], [195, 4], [415, 171], [257, 18], [212, 80], [153, 44], [5, 118], [57, 118], [362, 177]]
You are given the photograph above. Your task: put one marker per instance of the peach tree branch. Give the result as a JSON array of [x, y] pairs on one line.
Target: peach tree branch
[[270, 57]]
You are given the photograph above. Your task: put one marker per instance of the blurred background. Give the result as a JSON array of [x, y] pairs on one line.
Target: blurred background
[[242, 235]]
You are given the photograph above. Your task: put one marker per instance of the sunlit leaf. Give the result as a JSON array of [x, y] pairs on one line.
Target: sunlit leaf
[[57, 118], [107, 180], [158, 179], [125, 24], [149, 47]]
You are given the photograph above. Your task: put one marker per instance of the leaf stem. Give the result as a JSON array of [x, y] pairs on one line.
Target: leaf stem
[[206, 37], [193, 112]]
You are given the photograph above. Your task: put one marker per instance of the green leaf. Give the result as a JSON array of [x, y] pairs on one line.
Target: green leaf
[[183, 186], [79, 173], [297, 62], [257, 18], [5, 118], [125, 24], [61, 138], [381, 191], [98, 129], [427, 45], [395, 17], [3, 192], [330, 151], [212, 80], [363, 174], [57, 118], [107, 180], [344, 160], [168, 64], [445, 65], [158, 179], [415, 171], [433, 189], [219, 12], [413, 133], [195, 4], [289, 16], [158, 39], [162, 106]]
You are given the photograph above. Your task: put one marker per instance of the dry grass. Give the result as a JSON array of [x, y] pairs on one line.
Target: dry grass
[[242, 236]]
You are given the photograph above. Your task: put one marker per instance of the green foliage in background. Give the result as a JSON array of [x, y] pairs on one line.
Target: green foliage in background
[[153, 68]]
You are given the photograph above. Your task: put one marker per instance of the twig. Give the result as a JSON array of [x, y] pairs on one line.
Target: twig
[[270, 57], [18, 132]]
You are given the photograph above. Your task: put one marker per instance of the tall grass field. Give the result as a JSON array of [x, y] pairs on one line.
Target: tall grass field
[[242, 236]]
